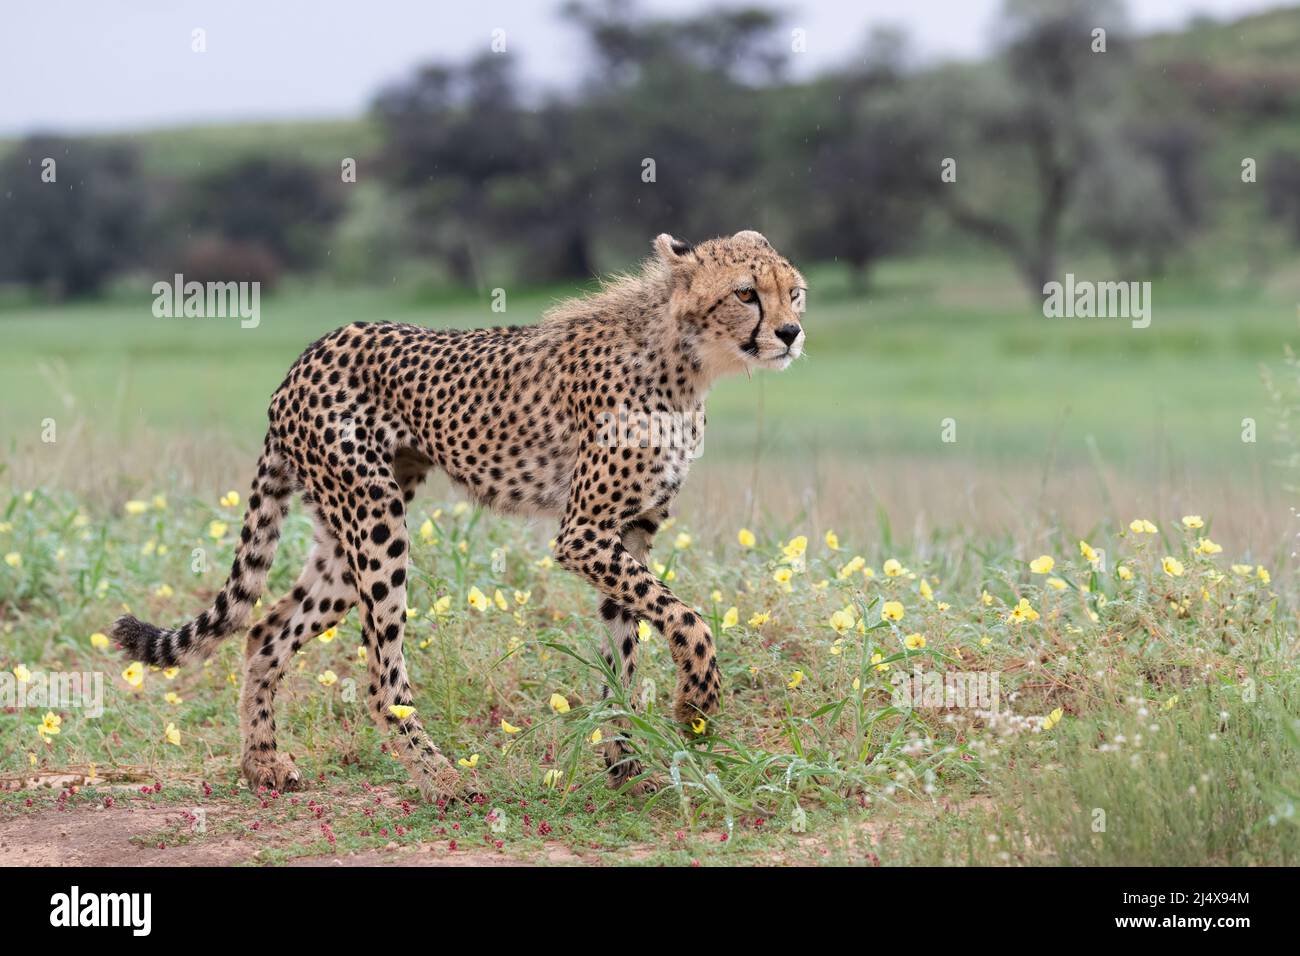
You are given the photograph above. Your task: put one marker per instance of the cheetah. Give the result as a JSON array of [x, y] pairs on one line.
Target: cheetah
[[511, 415]]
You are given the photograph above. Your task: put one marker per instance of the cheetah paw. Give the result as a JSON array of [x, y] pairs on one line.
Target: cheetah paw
[[274, 771]]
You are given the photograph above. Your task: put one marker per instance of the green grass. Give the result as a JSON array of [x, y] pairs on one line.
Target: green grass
[[1166, 698], [933, 341]]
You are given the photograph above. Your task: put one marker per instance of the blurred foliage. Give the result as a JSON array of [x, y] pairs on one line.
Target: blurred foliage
[[695, 124]]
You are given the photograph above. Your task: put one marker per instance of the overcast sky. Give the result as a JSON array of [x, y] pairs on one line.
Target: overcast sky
[[78, 65]]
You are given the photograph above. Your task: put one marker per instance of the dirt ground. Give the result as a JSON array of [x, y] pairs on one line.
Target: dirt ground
[[125, 836]]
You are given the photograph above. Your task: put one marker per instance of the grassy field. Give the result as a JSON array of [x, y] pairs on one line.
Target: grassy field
[[1144, 706], [1140, 716]]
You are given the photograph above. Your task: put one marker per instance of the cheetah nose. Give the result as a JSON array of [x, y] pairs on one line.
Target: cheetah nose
[[788, 333]]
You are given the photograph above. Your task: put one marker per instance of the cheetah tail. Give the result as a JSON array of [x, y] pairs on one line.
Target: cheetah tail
[[267, 506]]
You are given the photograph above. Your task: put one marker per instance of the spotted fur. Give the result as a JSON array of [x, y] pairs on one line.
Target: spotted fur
[[512, 416]]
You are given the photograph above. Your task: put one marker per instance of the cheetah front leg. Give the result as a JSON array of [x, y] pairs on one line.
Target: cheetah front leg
[[590, 544], [618, 648]]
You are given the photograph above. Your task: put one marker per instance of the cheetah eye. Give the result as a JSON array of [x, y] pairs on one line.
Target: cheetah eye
[[747, 295]]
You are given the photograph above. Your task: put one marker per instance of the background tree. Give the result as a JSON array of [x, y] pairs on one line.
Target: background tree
[[277, 205], [851, 167], [70, 235], [1034, 127]]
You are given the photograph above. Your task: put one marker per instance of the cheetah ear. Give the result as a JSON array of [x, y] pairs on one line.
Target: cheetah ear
[[673, 252], [752, 236]]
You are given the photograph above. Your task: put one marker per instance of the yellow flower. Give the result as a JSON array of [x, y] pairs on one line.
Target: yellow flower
[[682, 541], [985, 641], [842, 620], [731, 618], [164, 591], [401, 711], [985, 598], [856, 564], [1206, 546], [136, 507], [1173, 567], [1171, 702], [99, 641], [746, 538], [521, 597], [914, 642], [160, 502], [1056, 583], [327, 635], [134, 674], [13, 559], [838, 647], [327, 678], [559, 704], [469, 764], [1052, 719], [50, 724], [553, 778], [782, 576], [832, 541], [893, 568], [499, 600], [877, 658], [442, 606], [507, 727], [426, 530], [477, 599], [926, 593], [698, 725], [1263, 575], [173, 698], [796, 548], [173, 735], [22, 673], [643, 630], [1042, 564], [795, 680], [1142, 526], [1087, 551], [217, 530], [1243, 569], [715, 596], [230, 499], [1193, 522], [758, 620], [361, 654], [1022, 612], [891, 611], [596, 736]]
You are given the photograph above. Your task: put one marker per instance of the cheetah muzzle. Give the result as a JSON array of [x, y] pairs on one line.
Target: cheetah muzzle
[[513, 416]]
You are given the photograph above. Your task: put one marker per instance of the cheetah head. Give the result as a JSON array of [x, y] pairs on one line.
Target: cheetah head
[[737, 299]]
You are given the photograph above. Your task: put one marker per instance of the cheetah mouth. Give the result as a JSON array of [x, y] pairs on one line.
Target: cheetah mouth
[[778, 361]]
